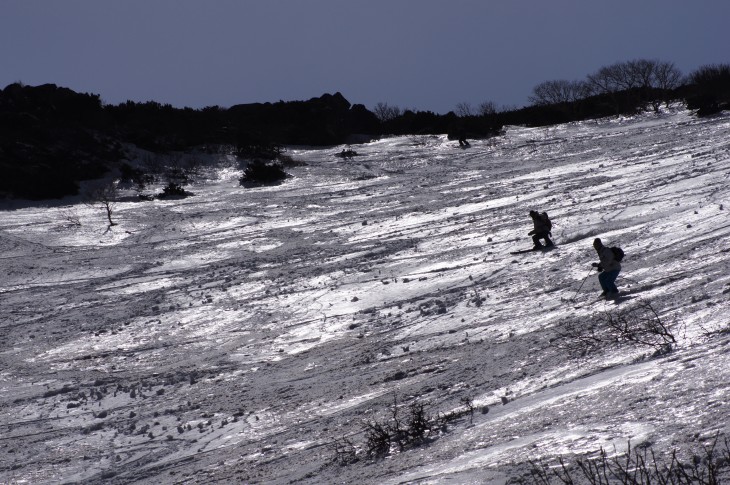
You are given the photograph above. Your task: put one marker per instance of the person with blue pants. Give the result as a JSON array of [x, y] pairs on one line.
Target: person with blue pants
[[608, 269]]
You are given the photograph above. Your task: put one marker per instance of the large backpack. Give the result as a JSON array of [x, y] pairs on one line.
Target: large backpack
[[548, 222], [618, 253]]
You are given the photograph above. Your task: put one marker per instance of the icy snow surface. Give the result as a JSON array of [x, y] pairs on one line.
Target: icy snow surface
[[233, 336]]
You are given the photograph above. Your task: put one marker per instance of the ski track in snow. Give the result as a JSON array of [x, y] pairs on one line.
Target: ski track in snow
[[236, 334]]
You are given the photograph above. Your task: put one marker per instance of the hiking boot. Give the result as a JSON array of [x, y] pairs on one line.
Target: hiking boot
[[612, 295], [604, 293]]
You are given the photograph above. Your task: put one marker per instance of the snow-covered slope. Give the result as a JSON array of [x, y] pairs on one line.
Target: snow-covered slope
[[237, 335]]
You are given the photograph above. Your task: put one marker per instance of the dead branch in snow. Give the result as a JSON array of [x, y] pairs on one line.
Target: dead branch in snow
[[638, 465], [638, 325]]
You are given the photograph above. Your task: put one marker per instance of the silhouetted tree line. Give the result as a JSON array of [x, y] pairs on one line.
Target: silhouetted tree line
[[620, 88], [626, 87], [428, 123], [50, 139], [53, 137], [708, 89]]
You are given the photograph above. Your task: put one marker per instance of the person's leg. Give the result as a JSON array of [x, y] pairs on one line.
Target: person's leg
[[608, 281], [603, 280], [536, 240], [611, 280]]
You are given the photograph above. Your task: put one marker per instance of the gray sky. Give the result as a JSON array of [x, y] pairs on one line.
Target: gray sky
[[422, 54]]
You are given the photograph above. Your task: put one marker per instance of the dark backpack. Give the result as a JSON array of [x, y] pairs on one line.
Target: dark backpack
[[618, 253], [547, 220]]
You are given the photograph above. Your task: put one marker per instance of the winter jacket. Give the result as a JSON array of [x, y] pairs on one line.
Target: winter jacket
[[608, 261], [541, 225]]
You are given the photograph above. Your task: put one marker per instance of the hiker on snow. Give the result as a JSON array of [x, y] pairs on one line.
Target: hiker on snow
[[462, 139], [608, 269], [542, 229]]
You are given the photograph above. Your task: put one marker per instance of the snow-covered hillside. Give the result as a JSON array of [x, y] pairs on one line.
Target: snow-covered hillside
[[242, 335]]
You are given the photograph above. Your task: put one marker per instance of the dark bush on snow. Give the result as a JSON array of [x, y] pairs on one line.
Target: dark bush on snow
[[640, 465], [255, 146], [174, 190], [709, 89], [132, 175], [402, 432], [261, 172], [638, 325]]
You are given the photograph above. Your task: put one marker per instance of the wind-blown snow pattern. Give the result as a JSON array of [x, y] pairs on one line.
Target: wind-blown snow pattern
[[234, 336]]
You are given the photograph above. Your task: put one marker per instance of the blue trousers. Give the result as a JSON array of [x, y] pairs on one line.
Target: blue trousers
[[607, 280]]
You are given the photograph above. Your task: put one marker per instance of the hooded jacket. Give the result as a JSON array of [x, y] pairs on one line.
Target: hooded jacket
[[541, 225], [608, 261]]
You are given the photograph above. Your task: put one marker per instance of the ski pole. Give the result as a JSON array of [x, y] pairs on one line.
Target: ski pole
[[581, 285]]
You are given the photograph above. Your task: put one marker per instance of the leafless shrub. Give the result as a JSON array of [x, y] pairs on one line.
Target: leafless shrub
[[71, 218], [487, 108], [559, 91], [464, 109], [419, 424], [637, 466], [468, 403], [442, 420], [638, 73], [377, 438], [105, 198], [385, 112], [345, 452], [718, 330], [666, 77], [714, 329], [409, 431], [638, 325]]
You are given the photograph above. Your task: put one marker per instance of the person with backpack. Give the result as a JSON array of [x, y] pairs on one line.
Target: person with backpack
[[463, 143], [542, 229], [608, 268]]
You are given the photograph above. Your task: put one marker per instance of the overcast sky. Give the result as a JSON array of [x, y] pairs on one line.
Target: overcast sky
[[422, 54]]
